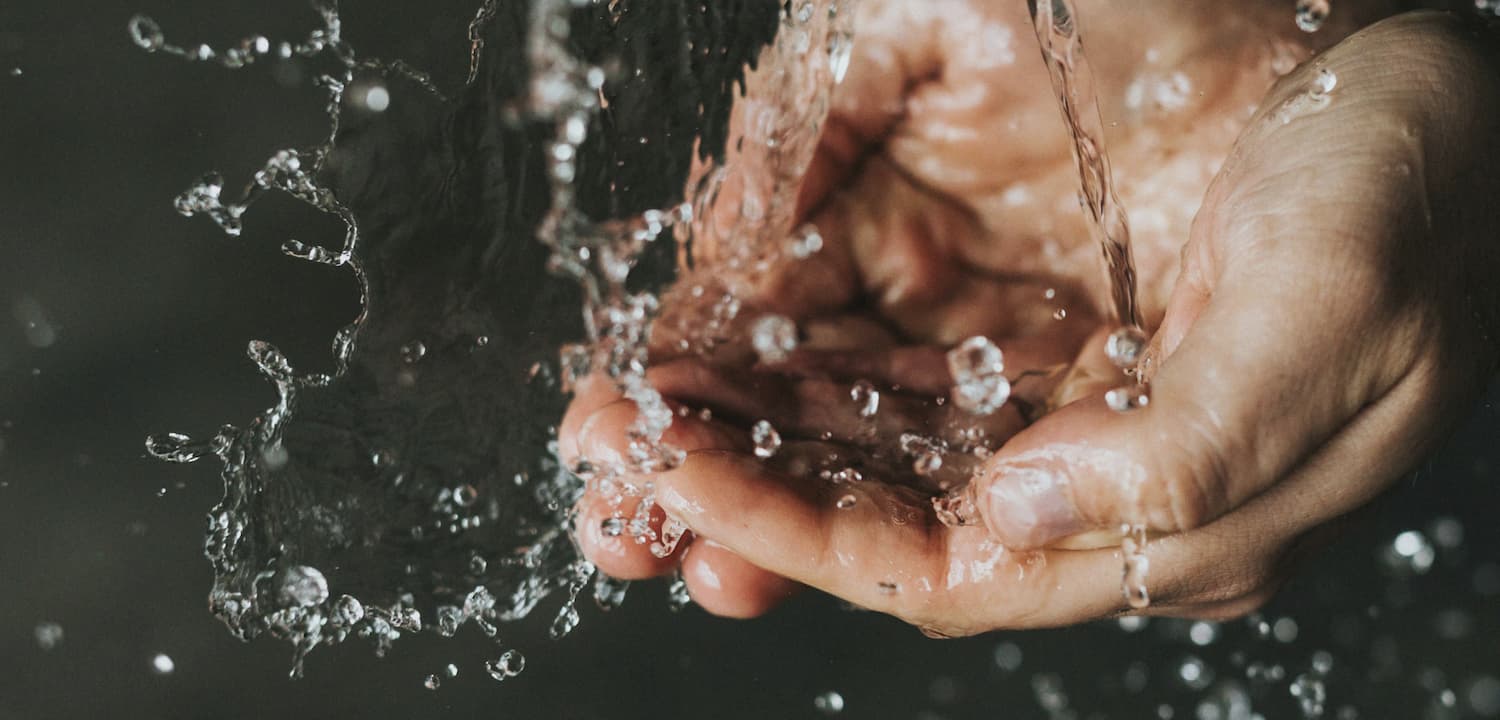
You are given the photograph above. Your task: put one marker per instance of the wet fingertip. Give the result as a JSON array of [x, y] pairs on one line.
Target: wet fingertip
[[618, 554], [1026, 507], [724, 584]]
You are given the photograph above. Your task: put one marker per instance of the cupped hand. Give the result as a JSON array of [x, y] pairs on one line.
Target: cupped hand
[[1329, 317]]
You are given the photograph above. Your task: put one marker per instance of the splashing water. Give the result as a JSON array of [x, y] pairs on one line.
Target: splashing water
[[1057, 32], [372, 498], [1312, 13]]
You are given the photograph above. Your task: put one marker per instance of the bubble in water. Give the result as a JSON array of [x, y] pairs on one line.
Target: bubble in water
[[765, 438], [509, 665], [774, 337], [977, 367], [162, 664], [829, 703], [846, 502], [1285, 630], [432, 682], [48, 635], [1322, 662], [866, 398], [1312, 13], [1124, 347], [1128, 398], [1310, 693], [304, 586], [451, 670], [612, 526]]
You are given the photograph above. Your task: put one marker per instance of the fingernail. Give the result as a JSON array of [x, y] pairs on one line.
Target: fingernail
[[1027, 507]]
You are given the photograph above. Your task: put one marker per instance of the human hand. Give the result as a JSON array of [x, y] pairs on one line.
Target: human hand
[[1288, 437]]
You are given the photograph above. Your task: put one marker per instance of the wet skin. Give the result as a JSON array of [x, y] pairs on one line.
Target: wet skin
[[1320, 316]]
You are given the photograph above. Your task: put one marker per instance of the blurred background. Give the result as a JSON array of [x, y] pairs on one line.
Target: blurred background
[[120, 319]]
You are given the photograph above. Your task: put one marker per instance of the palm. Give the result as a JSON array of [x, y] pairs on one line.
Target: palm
[[944, 190]]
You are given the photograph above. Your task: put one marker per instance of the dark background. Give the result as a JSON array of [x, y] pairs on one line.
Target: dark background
[[152, 313]]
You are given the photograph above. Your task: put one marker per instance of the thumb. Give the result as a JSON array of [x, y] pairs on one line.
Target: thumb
[[1236, 402]]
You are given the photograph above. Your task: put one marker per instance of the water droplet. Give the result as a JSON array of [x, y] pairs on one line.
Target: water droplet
[[1128, 398], [1133, 623], [1284, 630], [1060, 314], [1195, 673], [677, 594], [348, 610], [432, 682], [977, 367], [866, 398], [1410, 552], [465, 495], [774, 337], [1484, 696], [413, 352], [1311, 14], [846, 502], [1322, 662], [829, 703], [1447, 532], [566, 620], [175, 447], [1008, 656], [1124, 347], [146, 33], [451, 670], [162, 664], [303, 586], [612, 526], [1137, 567], [805, 242], [1203, 633], [509, 665], [767, 441], [1310, 693], [478, 602], [48, 635], [377, 98], [956, 509]]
